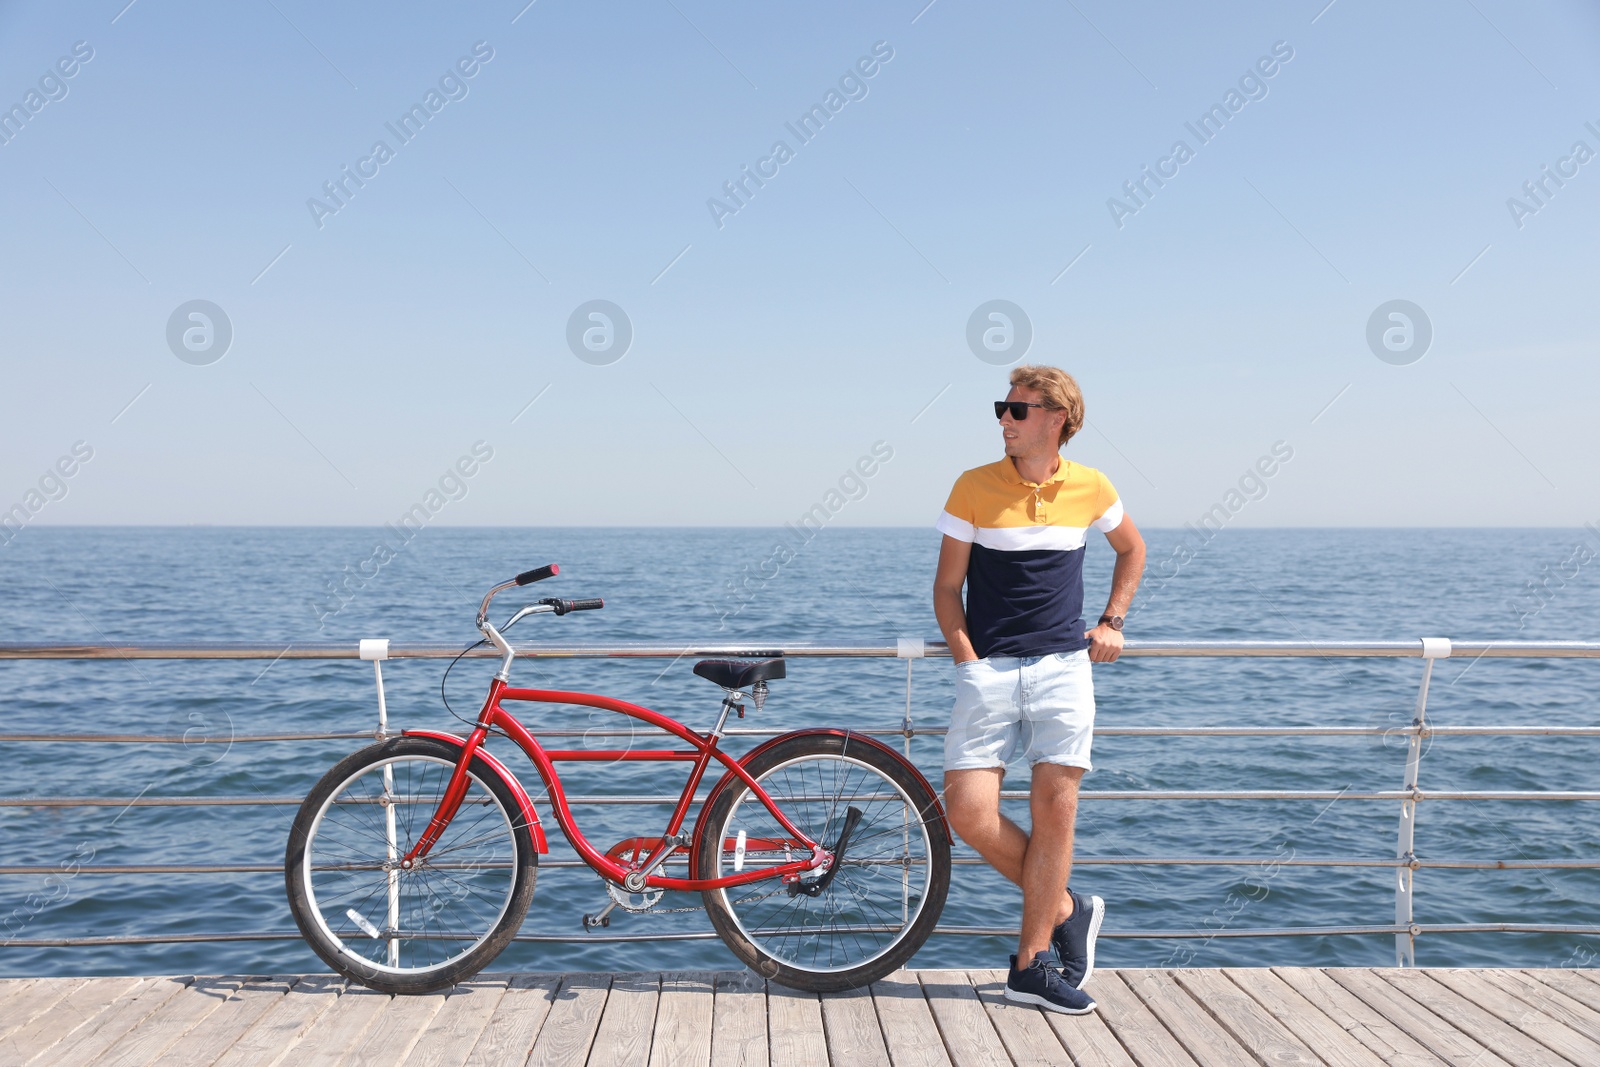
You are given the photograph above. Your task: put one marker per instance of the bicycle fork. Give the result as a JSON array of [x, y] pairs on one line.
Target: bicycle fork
[[449, 804]]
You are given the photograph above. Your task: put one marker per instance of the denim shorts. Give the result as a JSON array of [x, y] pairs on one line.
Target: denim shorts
[[1041, 706]]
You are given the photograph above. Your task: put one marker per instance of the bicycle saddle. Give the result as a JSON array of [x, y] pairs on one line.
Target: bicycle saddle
[[738, 673]]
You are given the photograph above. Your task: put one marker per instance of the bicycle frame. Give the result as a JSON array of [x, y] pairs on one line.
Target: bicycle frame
[[703, 749]]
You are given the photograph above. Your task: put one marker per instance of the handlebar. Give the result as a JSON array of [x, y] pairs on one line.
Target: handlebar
[[538, 574], [552, 605]]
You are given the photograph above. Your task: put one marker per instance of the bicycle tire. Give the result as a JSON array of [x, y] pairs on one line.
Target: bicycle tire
[[847, 935], [485, 861]]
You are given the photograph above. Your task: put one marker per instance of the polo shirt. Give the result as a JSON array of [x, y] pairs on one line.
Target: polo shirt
[[1025, 576]]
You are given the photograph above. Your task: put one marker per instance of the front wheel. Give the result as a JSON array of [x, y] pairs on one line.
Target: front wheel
[[880, 904], [422, 929]]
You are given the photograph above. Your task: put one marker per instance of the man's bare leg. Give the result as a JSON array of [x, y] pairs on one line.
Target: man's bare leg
[[972, 804], [1047, 861]]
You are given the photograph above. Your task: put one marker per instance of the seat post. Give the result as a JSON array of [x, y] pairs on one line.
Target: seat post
[[732, 700]]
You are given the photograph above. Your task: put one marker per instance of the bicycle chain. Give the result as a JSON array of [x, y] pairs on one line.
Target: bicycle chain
[[653, 910]]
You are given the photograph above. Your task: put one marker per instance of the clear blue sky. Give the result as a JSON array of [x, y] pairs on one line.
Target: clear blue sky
[[769, 353]]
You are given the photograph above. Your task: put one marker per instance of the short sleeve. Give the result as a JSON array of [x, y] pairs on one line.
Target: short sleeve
[[958, 517], [1108, 506]]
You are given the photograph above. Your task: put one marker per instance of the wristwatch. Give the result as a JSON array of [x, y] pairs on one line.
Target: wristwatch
[[1113, 621]]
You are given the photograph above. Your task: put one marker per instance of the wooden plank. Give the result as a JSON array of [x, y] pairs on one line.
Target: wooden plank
[[907, 1022], [683, 1023], [281, 1026], [1087, 1038], [963, 1022], [218, 1032], [1327, 1036], [1501, 1038], [31, 999], [794, 1023], [164, 1027], [1526, 1019], [1201, 1036], [1023, 1031], [1390, 1043], [12, 992], [1574, 984], [1249, 1024], [629, 1019], [1427, 1028], [93, 1038], [397, 1029], [515, 1023], [449, 1038], [340, 1029], [12, 989], [57, 1021], [851, 1028], [1528, 986], [739, 1020], [568, 1030], [1146, 1040], [1585, 972]]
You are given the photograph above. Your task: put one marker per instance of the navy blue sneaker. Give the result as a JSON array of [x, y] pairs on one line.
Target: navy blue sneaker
[[1040, 983], [1074, 939]]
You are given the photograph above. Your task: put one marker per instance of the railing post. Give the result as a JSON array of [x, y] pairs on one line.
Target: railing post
[[378, 651], [908, 649], [1405, 944]]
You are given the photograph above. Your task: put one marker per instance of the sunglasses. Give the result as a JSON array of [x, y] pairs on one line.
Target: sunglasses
[[1018, 408]]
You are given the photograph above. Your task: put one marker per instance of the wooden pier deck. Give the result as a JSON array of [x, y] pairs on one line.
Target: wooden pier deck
[[1346, 1017]]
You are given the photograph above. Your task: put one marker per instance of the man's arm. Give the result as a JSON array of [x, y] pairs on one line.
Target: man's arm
[[1105, 644], [947, 608]]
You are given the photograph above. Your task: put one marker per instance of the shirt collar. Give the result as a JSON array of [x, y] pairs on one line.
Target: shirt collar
[[1016, 479]]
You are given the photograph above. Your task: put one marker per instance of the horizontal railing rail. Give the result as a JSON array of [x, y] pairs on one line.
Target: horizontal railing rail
[[1009, 794], [1404, 863], [924, 649]]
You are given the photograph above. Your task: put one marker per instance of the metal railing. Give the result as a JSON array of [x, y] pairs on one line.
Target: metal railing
[[1404, 864]]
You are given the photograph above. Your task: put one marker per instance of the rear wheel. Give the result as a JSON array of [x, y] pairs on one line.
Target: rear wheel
[[417, 930], [885, 896]]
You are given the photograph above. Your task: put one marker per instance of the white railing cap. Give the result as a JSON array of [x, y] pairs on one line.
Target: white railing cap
[[1435, 648], [374, 648], [910, 648]]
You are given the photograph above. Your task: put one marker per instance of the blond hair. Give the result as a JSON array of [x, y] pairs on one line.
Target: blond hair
[[1059, 391]]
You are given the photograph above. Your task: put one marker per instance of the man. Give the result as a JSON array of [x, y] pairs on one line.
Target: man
[[1014, 533]]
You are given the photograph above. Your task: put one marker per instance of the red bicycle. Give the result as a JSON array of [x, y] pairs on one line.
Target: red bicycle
[[822, 856]]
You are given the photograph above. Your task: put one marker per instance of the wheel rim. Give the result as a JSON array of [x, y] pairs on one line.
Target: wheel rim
[[447, 905], [879, 891]]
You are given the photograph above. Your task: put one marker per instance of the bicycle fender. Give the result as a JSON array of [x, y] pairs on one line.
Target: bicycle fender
[[728, 778], [529, 815]]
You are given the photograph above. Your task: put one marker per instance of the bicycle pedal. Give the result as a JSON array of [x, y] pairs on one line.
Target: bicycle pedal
[[590, 921]]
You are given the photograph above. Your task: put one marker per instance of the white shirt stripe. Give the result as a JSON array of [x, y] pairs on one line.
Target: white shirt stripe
[[1111, 519], [960, 529], [1032, 538]]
